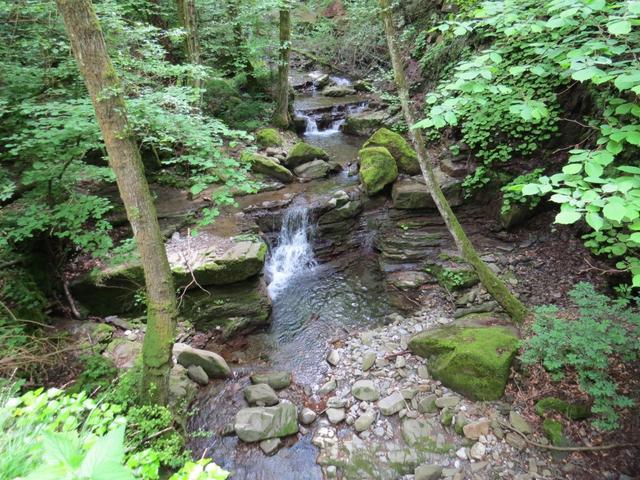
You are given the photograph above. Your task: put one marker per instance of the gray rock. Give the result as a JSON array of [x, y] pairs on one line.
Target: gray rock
[[276, 380], [198, 375], [475, 429], [368, 359], [335, 415], [336, 402], [416, 431], [333, 358], [307, 416], [516, 441], [478, 451], [365, 390], [364, 421], [261, 423], [270, 446], [328, 387], [313, 169], [212, 363], [427, 404], [409, 393], [428, 472], [447, 401], [423, 372], [261, 395], [391, 404], [519, 423]]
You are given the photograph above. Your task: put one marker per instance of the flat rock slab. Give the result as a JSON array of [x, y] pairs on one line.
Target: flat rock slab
[[392, 404], [261, 423], [411, 193], [213, 364]]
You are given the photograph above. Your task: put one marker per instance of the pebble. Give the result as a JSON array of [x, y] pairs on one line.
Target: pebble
[[478, 451], [307, 416], [270, 446], [461, 453], [335, 415], [333, 358], [364, 421]]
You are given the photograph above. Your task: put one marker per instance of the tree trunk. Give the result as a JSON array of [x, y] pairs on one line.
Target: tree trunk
[[494, 285], [103, 84], [282, 117], [187, 15]]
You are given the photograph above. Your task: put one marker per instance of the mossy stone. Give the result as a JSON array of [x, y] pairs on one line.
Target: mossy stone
[[304, 153], [268, 137], [473, 361], [266, 166], [573, 411], [553, 430], [377, 169], [405, 157]]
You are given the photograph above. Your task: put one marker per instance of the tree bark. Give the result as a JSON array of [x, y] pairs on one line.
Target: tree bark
[[103, 84], [281, 116], [187, 15], [494, 285]]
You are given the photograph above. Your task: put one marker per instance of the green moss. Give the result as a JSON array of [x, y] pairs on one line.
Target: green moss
[[405, 157], [377, 169], [553, 430], [453, 279], [303, 153], [268, 137], [472, 361], [266, 166], [573, 411]]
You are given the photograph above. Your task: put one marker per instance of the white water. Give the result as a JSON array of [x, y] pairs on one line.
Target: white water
[[311, 121], [293, 253]]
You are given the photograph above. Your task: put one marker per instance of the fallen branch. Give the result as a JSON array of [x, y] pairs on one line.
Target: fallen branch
[[571, 449]]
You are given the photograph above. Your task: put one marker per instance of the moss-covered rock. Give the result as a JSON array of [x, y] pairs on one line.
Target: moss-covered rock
[[364, 123], [377, 169], [266, 166], [302, 153], [473, 361], [237, 308], [268, 137], [452, 279], [553, 430], [405, 157], [573, 411]]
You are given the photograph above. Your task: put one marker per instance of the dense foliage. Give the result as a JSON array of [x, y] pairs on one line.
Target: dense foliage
[[603, 332], [507, 101]]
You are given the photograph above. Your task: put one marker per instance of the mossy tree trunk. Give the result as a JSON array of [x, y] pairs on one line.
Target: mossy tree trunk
[[105, 90], [494, 285], [188, 18], [282, 116]]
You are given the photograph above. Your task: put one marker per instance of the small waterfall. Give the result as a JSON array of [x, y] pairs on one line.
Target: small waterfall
[[293, 253]]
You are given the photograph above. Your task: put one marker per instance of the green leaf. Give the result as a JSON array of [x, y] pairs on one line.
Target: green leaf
[[614, 211], [635, 237], [568, 216], [572, 168], [633, 137], [593, 169], [530, 189], [594, 220], [621, 27], [586, 74]]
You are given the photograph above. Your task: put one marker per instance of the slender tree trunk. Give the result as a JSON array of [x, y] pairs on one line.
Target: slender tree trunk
[[103, 84], [281, 116], [187, 15], [494, 285]]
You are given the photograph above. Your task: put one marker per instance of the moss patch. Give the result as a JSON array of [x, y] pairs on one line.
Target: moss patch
[[553, 430], [268, 137], [377, 169], [405, 157], [472, 361], [573, 411], [303, 153]]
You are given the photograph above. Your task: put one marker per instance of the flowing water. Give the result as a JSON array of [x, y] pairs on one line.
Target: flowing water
[[313, 305]]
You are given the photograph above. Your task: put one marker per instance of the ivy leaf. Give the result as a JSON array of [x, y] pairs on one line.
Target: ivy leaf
[[621, 27]]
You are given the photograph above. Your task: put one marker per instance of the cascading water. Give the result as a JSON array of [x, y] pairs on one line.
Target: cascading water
[[293, 253]]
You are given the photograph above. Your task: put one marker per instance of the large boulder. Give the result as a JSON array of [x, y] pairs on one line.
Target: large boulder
[[412, 194], [473, 361], [237, 308], [260, 423], [268, 137], [364, 123], [405, 157], [312, 170], [377, 169], [267, 166], [210, 362], [231, 261], [302, 153]]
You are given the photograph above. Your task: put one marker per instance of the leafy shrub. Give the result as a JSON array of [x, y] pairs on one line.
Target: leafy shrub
[[604, 331], [53, 435], [97, 374], [512, 192]]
